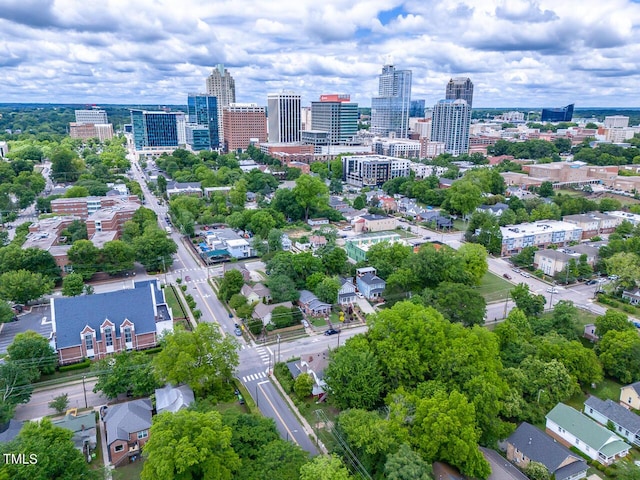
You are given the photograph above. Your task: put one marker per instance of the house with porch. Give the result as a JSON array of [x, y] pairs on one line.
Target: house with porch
[[257, 293], [311, 305], [573, 429], [127, 426], [95, 326], [370, 285], [263, 311], [314, 364], [173, 399], [607, 412], [347, 292], [83, 428], [529, 444]]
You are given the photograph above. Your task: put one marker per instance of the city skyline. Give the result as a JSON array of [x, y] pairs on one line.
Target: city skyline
[[517, 52]]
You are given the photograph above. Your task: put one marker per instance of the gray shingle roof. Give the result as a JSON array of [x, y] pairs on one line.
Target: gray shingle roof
[[371, 279], [12, 431], [125, 418], [614, 412], [540, 447], [635, 386], [72, 314], [172, 399]]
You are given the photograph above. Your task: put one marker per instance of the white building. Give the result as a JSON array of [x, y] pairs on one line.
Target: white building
[[91, 116], [450, 125], [539, 234], [284, 123], [616, 121]]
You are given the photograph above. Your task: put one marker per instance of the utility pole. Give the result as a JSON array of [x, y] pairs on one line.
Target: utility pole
[[86, 405], [278, 348]]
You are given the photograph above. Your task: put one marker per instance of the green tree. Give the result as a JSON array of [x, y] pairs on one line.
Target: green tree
[[462, 198], [203, 359], [619, 353], [353, 376], [525, 257], [188, 445], [22, 286], [72, 285], [303, 386], [327, 290], [474, 261], [626, 265], [250, 433], [84, 256], [59, 403], [311, 193], [581, 362], [405, 464], [282, 317], [57, 456], [162, 184], [154, 249], [359, 202], [125, 372], [117, 257], [612, 320], [325, 467], [236, 301], [6, 312], [388, 257], [565, 320], [15, 387], [537, 471], [31, 350], [458, 303], [444, 428], [546, 189], [334, 261], [283, 289], [230, 285], [277, 459], [530, 304]]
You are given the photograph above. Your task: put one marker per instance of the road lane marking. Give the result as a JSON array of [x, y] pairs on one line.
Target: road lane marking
[[266, 397]]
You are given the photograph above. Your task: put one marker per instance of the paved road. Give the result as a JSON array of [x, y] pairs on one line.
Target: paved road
[[39, 320]]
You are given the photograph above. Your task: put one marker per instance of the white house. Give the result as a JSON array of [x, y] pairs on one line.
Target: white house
[[347, 292], [573, 429], [625, 422]]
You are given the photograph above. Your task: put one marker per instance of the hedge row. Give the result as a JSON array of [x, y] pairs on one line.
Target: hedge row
[[76, 366]]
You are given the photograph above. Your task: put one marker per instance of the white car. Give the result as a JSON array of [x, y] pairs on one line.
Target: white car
[[359, 295], [552, 290]]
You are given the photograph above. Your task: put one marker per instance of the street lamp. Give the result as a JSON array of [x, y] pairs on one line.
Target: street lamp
[[278, 348], [539, 391], [257, 399]]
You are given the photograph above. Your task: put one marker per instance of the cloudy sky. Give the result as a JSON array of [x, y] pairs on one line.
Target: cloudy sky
[[523, 53]]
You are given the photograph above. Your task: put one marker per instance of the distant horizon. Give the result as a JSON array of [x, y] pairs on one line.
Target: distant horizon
[[160, 105]]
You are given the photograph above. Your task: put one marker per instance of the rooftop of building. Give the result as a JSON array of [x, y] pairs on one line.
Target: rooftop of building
[[546, 226]]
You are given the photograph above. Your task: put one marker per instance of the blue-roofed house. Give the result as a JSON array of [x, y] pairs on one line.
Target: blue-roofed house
[[370, 285], [94, 326]]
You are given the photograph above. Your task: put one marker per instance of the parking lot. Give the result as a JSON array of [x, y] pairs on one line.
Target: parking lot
[[38, 320]]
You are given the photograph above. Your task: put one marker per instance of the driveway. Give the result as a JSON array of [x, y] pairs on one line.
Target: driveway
[[38, 320], [365, 306]]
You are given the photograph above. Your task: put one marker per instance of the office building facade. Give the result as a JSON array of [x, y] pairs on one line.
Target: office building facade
[[154, 129], [450, 125], [243, 124], [221, 85], [564, 114], [91, 116], [372, 170], [336, 115], [203, 110], [284, 113], [390, 109], [460, 88], [417, 109]]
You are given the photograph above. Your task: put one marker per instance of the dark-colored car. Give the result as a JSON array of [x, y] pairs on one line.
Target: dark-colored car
[[507, 276], [331, 331], [591, 282]]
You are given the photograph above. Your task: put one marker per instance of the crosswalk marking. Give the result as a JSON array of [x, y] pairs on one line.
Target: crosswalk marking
[[253, 377]]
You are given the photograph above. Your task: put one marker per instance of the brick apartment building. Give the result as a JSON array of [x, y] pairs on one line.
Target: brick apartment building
[[243, 124], [85, 206]]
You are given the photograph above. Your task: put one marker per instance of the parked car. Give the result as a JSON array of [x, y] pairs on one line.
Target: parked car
[[359, 295], [613, 277], [507, 276], [525, 274], [636, 324], [331, 331], [305, 324], [516, 270], [237, 331], [591, 282]]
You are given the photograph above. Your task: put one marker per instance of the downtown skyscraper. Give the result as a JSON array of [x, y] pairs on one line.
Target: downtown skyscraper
[[451, 117], [460, 88], [336, 115], [203, 110], [221, 85], [390, 109], [284, 117]]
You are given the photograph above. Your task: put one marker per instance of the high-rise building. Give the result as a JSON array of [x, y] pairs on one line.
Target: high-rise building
[[460, 88], [203, 110], [336, 115], [221, 85], [283, 110], [450, 125], [244, 123], [616, 121], [390, 109], [91, 116], [563, 114], [372, 170], [154, 129], [417, 109]]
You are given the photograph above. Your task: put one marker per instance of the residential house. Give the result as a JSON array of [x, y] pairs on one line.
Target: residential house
[[347, 292], [285, 241], [630, 396], [314, 364], [496, 210], [94, 326], [632, 296], [370, 285], [263, 312], [317, 241], [184, 188], [590, 332], [573, 429], [227, 239], [551, 261], [83, 428], [246, 274], [316, 222], [440, 222], [258, 293], [127, 426], [529, 444], [171, 399], [375, 223], [624, 422], [358, 246], [310, 304]]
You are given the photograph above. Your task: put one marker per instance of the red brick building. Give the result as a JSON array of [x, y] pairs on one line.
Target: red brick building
[[242, 125], [127, 427]]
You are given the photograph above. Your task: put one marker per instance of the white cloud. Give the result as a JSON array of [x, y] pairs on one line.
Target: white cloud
[[517, 52]]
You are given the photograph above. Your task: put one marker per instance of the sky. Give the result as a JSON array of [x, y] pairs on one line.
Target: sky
[[521, 53]]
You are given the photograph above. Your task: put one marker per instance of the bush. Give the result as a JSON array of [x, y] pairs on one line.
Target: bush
[[183, 288], [282, 373], [151, 351], [255, 326], [76, 366]]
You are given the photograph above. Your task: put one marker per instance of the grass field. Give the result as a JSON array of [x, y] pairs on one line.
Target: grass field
[[128, 472], [173, 302], [584, 317], [605, 390], [494, 288]]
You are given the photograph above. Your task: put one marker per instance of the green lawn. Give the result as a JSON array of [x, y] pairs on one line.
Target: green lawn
[[173, 302], [494, 288], [584, 317], [128, 472], [607, 389]]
